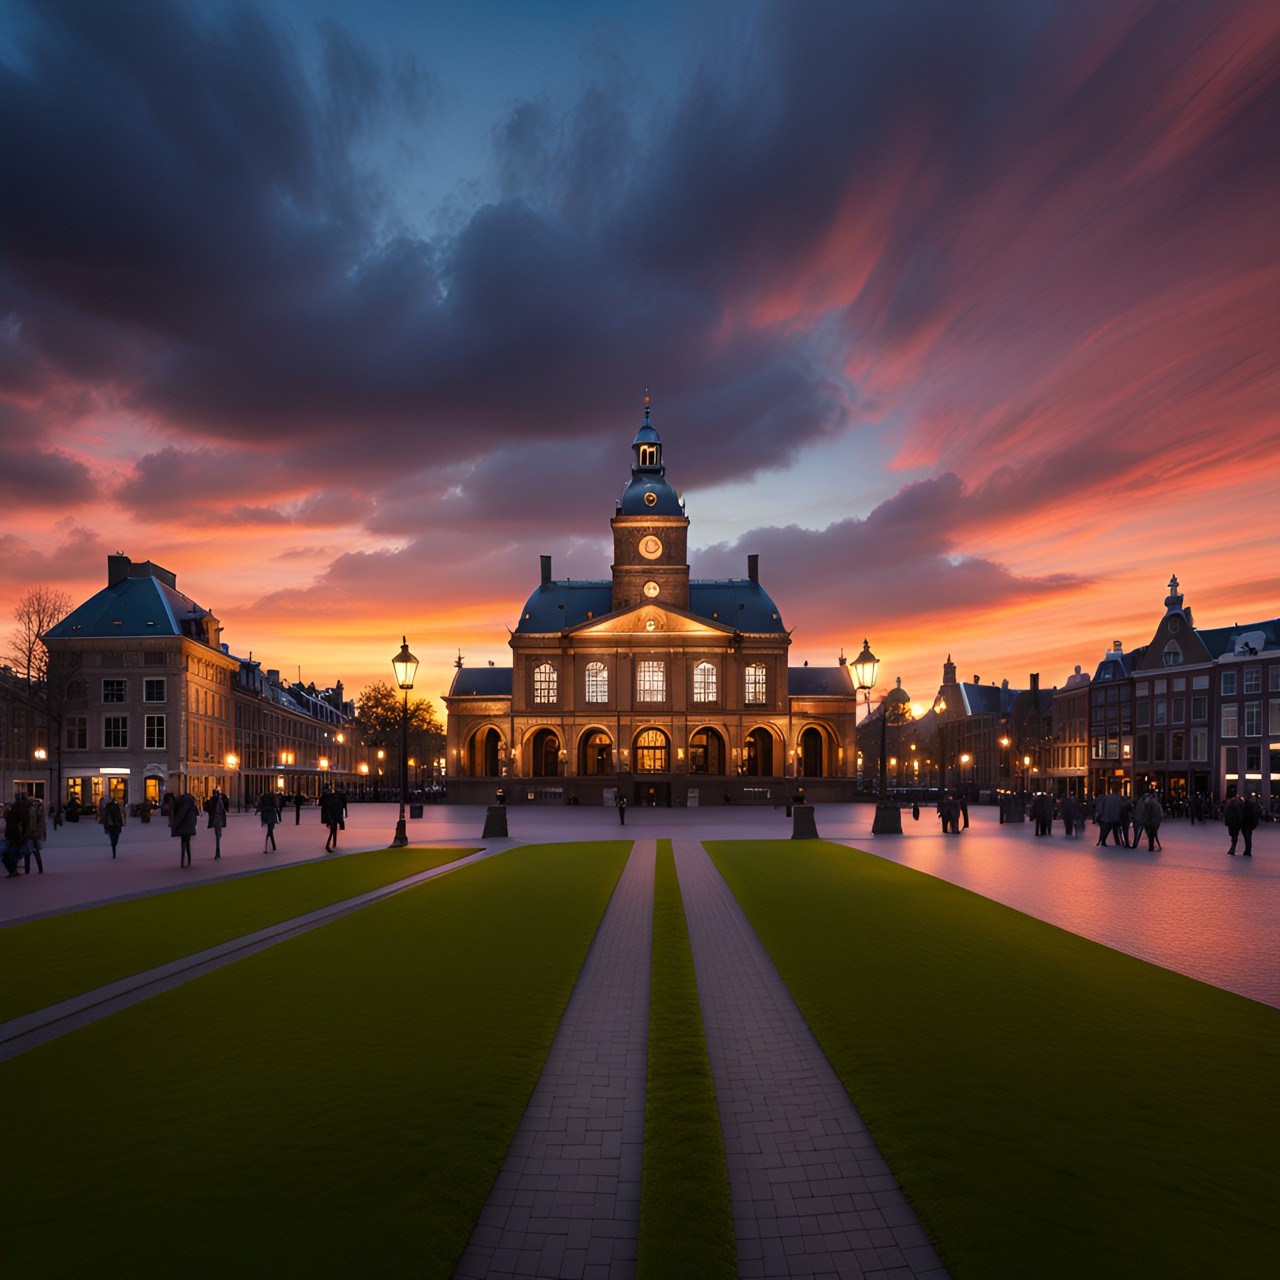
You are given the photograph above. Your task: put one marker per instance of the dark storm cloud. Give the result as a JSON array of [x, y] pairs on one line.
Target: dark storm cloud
[[191, 196], [36, 478], [900, 562]]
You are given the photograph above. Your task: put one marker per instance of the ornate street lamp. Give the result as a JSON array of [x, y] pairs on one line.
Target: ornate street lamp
[[405, 665]]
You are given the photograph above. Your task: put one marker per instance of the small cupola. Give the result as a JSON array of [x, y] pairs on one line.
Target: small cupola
[[647, 492]]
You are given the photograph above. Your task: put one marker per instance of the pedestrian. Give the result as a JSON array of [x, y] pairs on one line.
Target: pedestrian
[[331, 816], [268, 815], [1233, 815], [297, 810], [1070, 815], [184, 816], [216, 807], [17, 831], [113, 822], [1148, 814], [1126, 822], [1250, 816], [39, 833], [1110, 805], [1042, 813], [622, 811]]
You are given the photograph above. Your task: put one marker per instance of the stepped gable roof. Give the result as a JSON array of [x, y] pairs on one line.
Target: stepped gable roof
[[134, 607], [738, 603], [819, 682], [481, 682]]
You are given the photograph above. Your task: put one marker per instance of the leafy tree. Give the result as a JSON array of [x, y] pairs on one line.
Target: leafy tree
[[33, 615], [379, 709]]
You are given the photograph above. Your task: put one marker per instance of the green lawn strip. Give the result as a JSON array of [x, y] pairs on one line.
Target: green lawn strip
[[686, 1221], [336, 1105], [1050, 1106], [66, 955]]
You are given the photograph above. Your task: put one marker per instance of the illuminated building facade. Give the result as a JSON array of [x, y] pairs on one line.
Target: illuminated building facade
[[650, 684]]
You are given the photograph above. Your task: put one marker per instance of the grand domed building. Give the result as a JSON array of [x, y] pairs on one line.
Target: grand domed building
[[651, 684]]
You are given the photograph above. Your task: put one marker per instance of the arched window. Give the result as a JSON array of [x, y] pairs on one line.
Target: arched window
[[544, 754], [651, 682], [597, 685], [757, 689], [706, 752], [648, 455], [544, 682], [704, 682], [1172, 654], [652, 752], [596, 753]]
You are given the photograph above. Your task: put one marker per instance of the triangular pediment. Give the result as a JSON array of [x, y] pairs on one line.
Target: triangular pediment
[[650, 619]]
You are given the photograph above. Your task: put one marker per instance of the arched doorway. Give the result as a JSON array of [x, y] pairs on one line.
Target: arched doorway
[[483, 752], [811, 753], [706, 753], [652, 752], [759, 754], [595, 753], [544, 754]]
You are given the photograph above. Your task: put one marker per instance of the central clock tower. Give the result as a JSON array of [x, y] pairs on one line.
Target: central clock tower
[[650, 531]]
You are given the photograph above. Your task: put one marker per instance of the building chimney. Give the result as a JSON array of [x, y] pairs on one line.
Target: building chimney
[[1117, 646], [1035, 684], [546, 571], [117, 568], [753, 568]]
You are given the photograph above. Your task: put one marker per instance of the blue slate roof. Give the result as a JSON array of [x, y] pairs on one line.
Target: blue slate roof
[[819, 682], [742, 605], [1222, 641], [142, 606], [481, 682]]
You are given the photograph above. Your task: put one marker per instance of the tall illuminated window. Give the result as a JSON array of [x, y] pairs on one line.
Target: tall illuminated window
[[597, 684], [704, 682], [757, 688], [544, 683], [651, 681]]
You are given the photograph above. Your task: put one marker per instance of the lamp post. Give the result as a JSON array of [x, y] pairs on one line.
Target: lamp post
[[233, 761], [888, 819], [405, 665]]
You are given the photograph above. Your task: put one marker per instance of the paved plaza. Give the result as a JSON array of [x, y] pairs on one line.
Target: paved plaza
[[810, 1192]]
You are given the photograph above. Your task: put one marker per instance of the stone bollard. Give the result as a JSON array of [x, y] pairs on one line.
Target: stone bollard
[[495, 823], [803, 826]]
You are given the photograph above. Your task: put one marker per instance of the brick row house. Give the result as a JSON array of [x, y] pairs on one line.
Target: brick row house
[[1194, 712]]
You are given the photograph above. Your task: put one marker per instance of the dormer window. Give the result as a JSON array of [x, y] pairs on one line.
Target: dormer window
[[648, 455], [1172, 654]]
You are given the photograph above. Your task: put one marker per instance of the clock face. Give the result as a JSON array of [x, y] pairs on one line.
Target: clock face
[[651, 589], [650, 547]]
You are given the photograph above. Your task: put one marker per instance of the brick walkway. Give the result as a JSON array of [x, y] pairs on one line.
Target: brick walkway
[[567, 1201], [811, 1193]]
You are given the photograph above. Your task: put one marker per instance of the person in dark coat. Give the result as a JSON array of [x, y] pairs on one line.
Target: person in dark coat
[[183, 820], [216, 807], [1233, 815], [17, 831], [1070, 815], [331, 816], [622, 811], [1250, 816], [39, 834], [113, 822], [268, 815]]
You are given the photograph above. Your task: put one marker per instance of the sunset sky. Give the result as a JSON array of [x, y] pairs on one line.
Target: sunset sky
[[963, 316]]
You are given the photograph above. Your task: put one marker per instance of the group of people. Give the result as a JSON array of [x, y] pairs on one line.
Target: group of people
[[1124, 821], [25, 829], [183, 811]]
